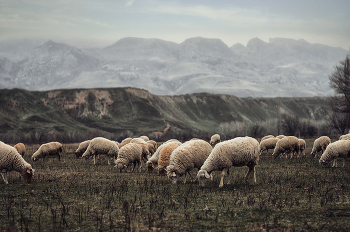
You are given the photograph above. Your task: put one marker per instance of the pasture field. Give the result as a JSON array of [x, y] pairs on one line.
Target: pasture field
[[74, 195]]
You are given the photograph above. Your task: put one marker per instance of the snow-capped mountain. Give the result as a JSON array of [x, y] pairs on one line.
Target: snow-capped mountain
[[281, 67]]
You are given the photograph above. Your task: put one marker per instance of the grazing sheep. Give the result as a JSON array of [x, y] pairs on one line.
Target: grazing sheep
[[302, 146], [99, 146], [320, 144], [20, 148], [153, 160], [267, 137], [130, 153], [51, 148], [82, 148], [340, 148], [164, 157], [215, 139], [237, 152], [269, 143], [11, 160], [286, 145], [280, 136], [186, 157], [343, 137]]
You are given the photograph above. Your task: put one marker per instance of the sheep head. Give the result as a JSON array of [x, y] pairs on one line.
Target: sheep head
[[150, 166], [161, 170], [28, 174], [202, 177]]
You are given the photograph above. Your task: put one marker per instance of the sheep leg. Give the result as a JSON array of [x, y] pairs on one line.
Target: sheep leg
[[185, 177], [335, 164], [4, 177], [251, 170], [140, 165], [228, 176], [222, 177]]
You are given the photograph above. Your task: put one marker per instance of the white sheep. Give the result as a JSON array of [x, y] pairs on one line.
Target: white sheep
[[280, 136], [320, 144], [144, 137], [51, 148], [153, 160], [267, 137], [186, 157], [268, 143], [130, 153], [152, 146], [126, 140], [237, 152], [20, 148], [82, 148], [11, 160], [215, 139], [287, 145], [101, 146], [337, 149]]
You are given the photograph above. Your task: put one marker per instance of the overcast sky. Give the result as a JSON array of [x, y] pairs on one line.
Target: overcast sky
[[103, 22]]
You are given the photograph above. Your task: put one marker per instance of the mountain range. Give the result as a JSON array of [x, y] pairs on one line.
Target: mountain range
[[278, 68]]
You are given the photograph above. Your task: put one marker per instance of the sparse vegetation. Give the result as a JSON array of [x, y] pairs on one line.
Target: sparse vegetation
[[75, 195]]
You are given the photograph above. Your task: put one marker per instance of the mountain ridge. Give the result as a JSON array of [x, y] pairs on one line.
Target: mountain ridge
[[290, 67]]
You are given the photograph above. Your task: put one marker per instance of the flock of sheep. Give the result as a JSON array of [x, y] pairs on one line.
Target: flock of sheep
[[176, 159]]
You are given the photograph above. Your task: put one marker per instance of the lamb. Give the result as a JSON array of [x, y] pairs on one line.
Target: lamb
[[320, 144], [187, 156], [100, 145], [51, 148], [237, 152], [130, 153], [153, 160], [340, 148], [215, 139], [20, 148], [302, 146], [11, 160], [267, 137], [269, 143], [287, 145], [164, 157], [82, 148]]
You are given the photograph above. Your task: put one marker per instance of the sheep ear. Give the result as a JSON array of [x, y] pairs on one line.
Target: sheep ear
[[173, 174], [206, 175]]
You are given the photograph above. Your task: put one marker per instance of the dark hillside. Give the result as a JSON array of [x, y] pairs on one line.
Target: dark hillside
[[76, 114]]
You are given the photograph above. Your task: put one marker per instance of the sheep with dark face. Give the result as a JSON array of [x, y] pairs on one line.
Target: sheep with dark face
[[186, 157], [11, 160], [237, 152], [52, 148], [101, 146]]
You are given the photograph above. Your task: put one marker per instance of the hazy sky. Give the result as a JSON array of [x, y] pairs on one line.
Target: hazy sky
[[103, 22]]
